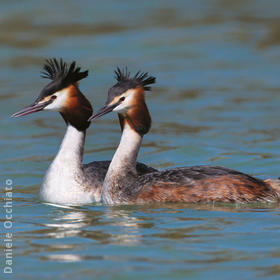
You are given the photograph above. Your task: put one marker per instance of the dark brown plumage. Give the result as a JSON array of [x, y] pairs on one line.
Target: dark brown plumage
[[203, 184]]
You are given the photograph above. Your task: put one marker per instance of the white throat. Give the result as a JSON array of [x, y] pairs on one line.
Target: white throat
[[63, 181], [72, 148], [124, 161]]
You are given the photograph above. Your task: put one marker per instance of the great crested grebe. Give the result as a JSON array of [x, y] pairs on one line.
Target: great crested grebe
[[187, 184], [67, 180]]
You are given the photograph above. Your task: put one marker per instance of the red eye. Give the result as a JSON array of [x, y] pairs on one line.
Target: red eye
[[53, 97], [122, 99]]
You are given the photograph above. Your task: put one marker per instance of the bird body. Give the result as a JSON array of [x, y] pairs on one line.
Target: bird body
[[123, 185]]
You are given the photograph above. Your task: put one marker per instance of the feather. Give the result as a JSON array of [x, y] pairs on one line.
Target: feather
[[139, 79], [54, 69]]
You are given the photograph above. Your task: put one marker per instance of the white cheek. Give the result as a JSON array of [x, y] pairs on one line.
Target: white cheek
[[120, 108], [59, 102], [126, 104]]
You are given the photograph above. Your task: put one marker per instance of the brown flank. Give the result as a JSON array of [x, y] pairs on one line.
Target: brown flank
[[233, 188]]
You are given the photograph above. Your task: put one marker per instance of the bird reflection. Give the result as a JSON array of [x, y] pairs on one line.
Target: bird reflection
[[126, 224], [70, 221], [113, 225]]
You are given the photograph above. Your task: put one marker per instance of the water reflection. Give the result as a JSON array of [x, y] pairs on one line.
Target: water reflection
[[273, 36], [42, 35], [67, 225], [179, 129], [73, 222], [126, 225]]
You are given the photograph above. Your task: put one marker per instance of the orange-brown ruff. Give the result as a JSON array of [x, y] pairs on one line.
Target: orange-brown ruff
[[186, 184]]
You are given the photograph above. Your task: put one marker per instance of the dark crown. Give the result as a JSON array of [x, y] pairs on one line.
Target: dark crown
[[58, 71], [139, 79]]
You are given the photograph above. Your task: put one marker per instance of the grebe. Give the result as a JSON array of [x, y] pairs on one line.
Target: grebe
[[187, 184], [67, 180]]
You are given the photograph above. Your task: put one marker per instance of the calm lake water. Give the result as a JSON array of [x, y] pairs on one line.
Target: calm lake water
[[216, 102]]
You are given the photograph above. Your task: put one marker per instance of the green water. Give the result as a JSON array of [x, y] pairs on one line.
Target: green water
[[216, 102]]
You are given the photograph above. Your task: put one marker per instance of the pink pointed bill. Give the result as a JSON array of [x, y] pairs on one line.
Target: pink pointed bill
[[31, 109]]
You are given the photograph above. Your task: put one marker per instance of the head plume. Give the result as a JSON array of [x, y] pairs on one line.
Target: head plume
[[58, 70], [139, 79]]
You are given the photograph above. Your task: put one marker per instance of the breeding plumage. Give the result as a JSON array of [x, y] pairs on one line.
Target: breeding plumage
[[187, 184], [67, 180]]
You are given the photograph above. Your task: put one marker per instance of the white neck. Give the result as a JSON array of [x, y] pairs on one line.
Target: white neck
[[63, 181], [72, 148], [123, 162]]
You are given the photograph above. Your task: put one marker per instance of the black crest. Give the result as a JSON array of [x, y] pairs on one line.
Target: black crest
[[126, 82], [139, 79], [59, 70], [61, 76]]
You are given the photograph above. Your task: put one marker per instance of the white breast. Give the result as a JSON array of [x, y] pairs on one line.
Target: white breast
[[64, 182]]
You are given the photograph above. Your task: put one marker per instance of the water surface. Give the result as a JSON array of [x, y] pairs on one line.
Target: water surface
[[216, 102]]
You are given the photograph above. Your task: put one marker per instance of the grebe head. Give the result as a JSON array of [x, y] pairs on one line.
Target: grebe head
[[127, 98], [62, 94]]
